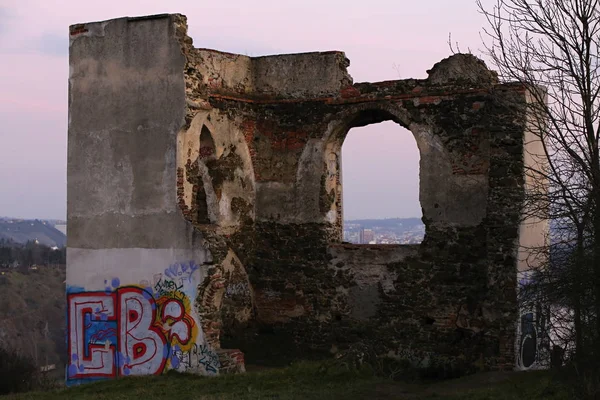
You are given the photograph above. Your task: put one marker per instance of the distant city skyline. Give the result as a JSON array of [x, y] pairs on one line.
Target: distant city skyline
[[389, 231], [383, 39]]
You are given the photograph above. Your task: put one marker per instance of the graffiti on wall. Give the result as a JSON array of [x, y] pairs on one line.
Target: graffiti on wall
[[141, 329], [532, 340], [197, 355], [532, 335], [527, 341]]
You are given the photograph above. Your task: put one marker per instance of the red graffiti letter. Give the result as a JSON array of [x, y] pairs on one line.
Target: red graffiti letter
[[142, 346]]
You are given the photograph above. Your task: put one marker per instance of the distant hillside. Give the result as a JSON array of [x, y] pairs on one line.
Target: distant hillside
[[388, 223], [24, 230]]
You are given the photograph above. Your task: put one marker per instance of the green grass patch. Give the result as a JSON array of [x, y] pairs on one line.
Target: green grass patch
[[503, 386], [311, 381], [302, 381]]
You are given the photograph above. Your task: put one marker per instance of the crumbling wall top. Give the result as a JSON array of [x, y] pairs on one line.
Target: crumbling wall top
[[461, 69], [301, 75]]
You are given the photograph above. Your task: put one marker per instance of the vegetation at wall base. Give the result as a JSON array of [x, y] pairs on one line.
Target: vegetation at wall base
[[18, 372], [310, 381]]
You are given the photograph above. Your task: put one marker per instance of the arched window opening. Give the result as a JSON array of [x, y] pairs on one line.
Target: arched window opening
[[206, 153], [380, 183]]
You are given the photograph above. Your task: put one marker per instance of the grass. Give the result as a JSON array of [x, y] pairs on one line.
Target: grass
[[310, 381], [303, 381], [516, 385]]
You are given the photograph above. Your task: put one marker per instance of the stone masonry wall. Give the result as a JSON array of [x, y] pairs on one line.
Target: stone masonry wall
[[256, 173], [452, 298]]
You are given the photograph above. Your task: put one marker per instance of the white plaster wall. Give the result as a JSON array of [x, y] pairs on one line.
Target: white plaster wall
[[147, 296], [88, 267], [534, 238]]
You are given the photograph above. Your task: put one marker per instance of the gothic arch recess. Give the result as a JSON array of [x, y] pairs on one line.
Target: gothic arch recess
[[215, 184]]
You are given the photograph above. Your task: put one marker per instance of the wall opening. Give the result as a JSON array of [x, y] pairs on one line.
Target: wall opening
[[380, 183], [206, 153]]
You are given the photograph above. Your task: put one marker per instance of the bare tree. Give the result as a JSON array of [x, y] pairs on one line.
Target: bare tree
[[551, 47]]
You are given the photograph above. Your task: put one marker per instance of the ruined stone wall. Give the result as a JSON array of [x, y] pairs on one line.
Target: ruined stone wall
[[250, 170]]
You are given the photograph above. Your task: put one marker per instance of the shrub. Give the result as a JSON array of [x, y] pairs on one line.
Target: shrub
[[18, 372]]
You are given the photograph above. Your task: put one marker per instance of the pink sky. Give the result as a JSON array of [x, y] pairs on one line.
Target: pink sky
[[384, 39]]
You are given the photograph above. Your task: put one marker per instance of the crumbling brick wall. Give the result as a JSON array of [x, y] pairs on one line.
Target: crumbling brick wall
[[454, 295]]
